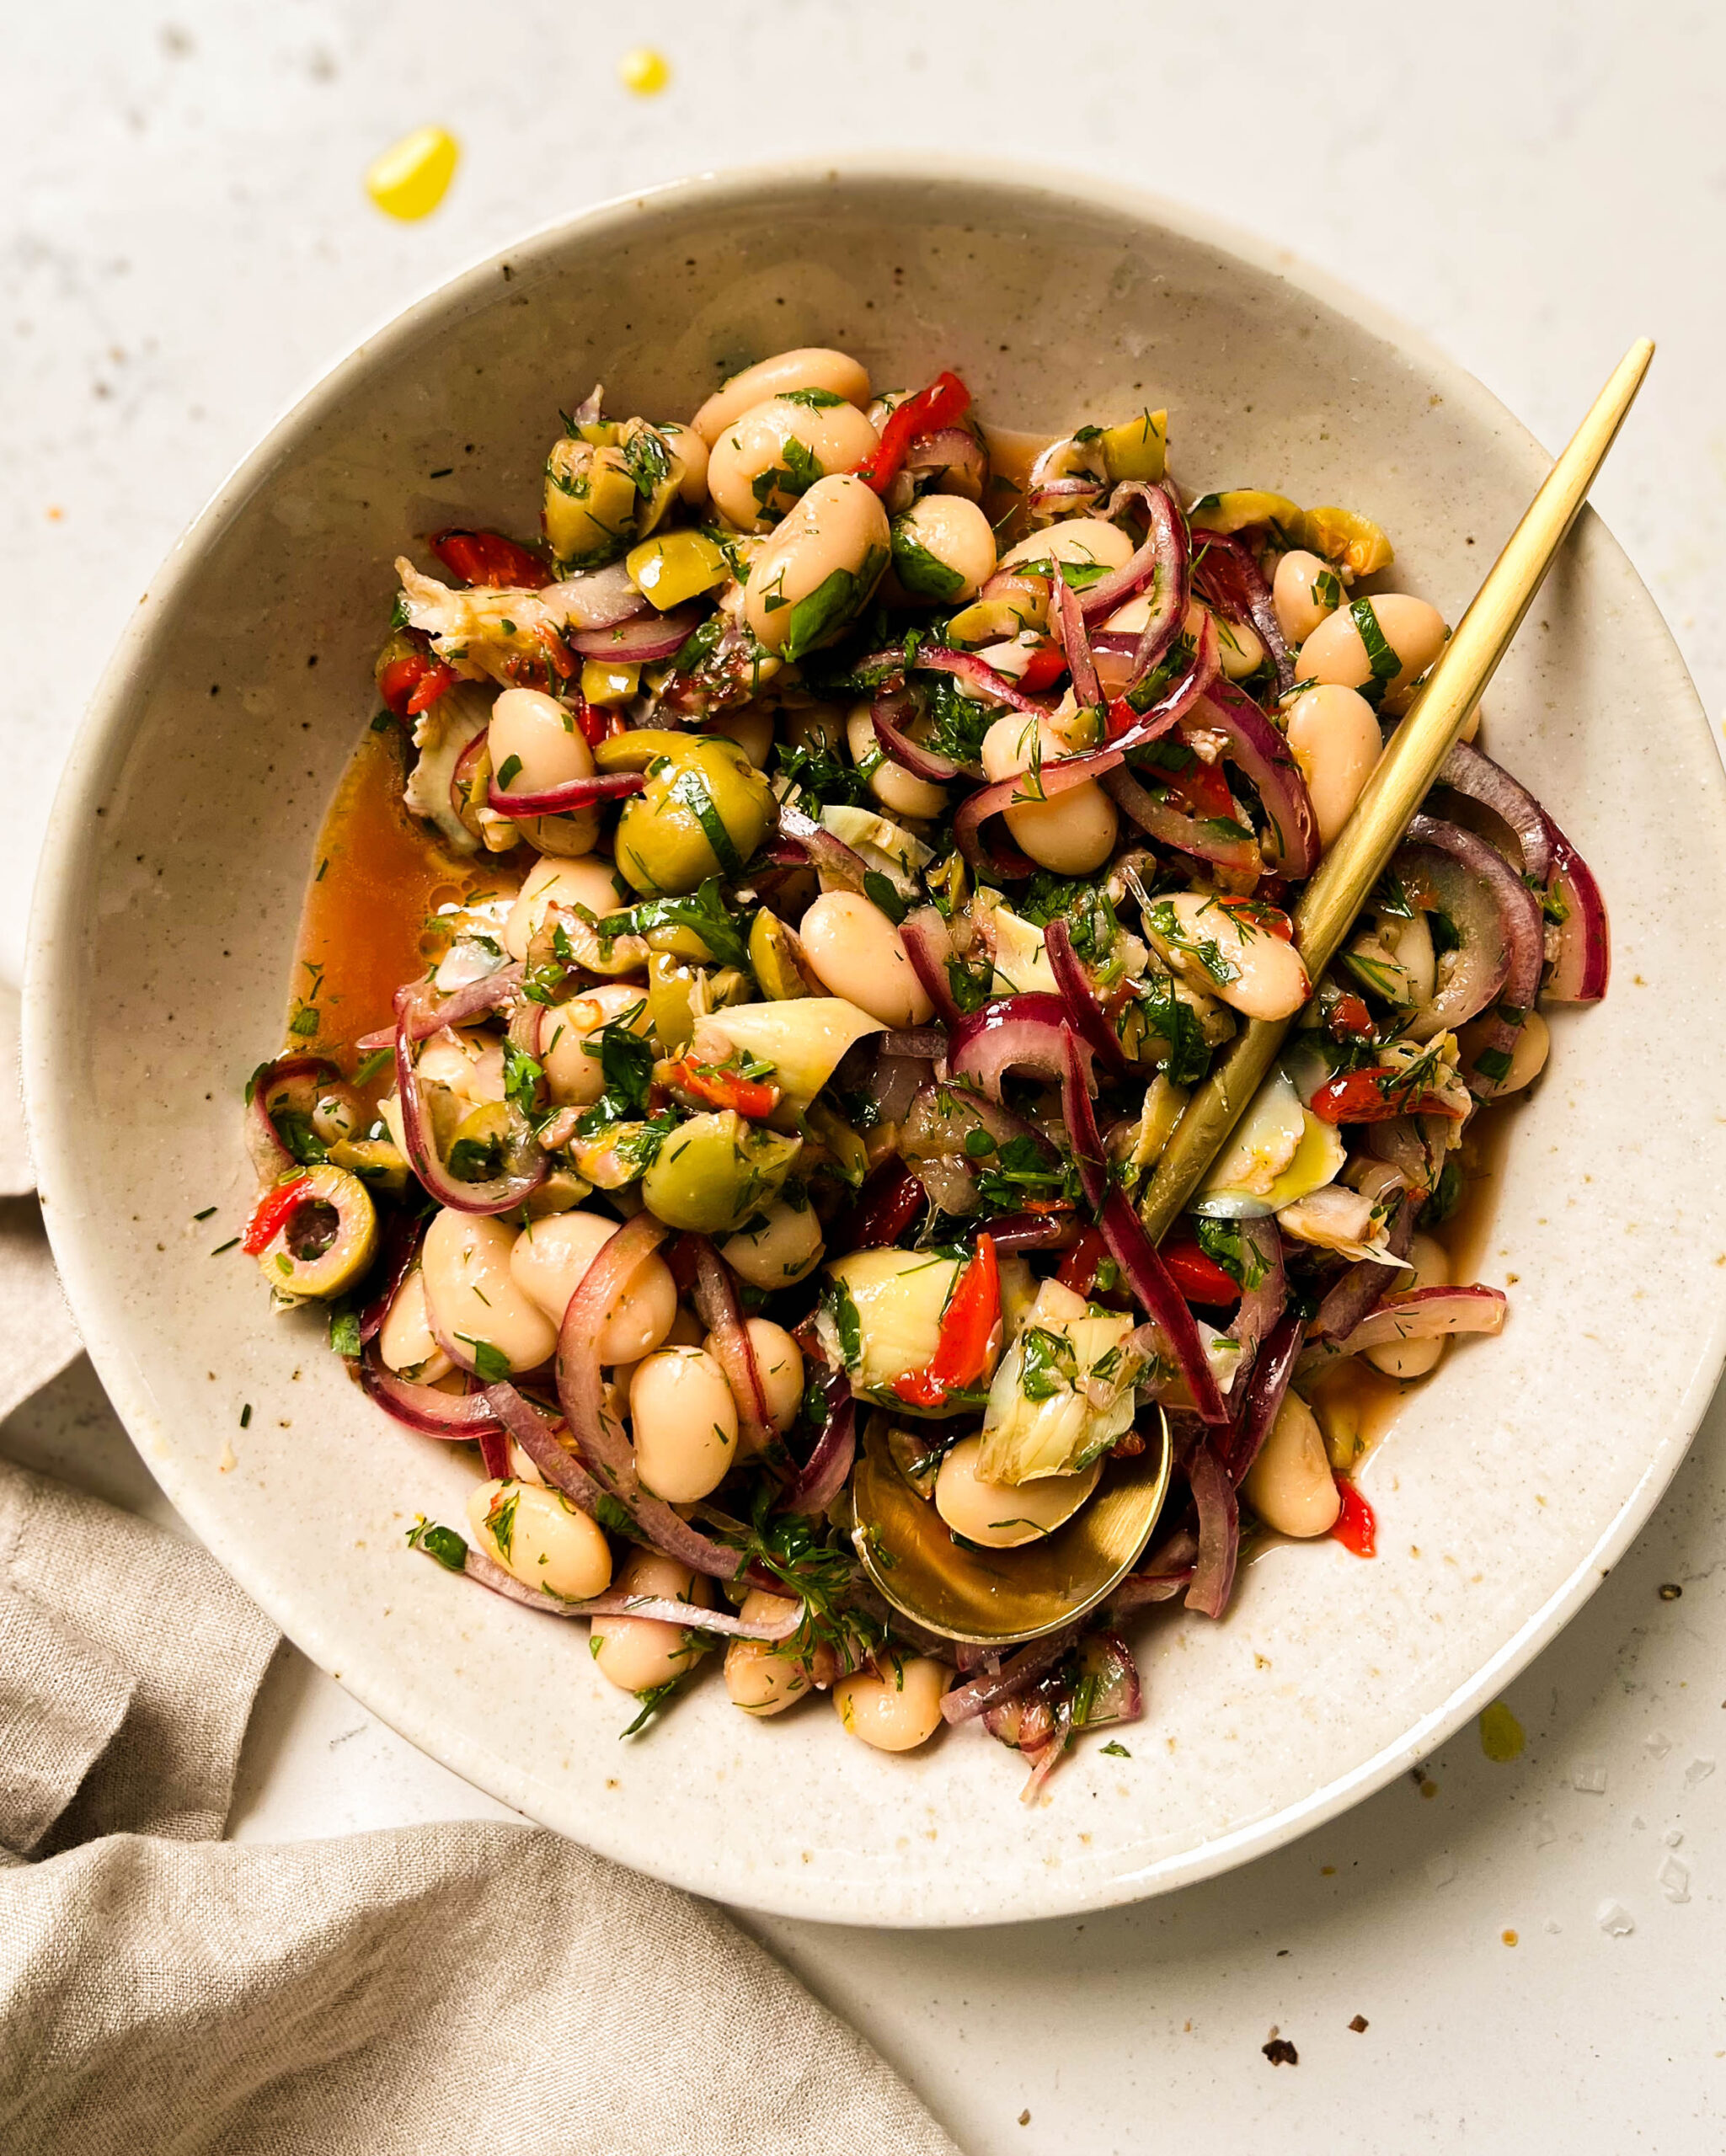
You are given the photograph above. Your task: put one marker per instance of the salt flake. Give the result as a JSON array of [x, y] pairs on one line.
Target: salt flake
[[1672, 1836], [1589, 1776], [1698, 1770], [1440, 1870], [1673, 1877], [1657, 1744], [1615, 1919]]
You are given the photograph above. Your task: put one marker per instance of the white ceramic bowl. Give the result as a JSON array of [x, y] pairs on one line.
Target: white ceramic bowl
[[165, 922]]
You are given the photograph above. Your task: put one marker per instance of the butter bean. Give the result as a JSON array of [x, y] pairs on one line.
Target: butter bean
[[1071, 833], [1306, 590], [472, 1296], [1004, 1516], [855, 953], [685, 1424], [591, 883], [778, 1362], [574, 1078], [810, 367], [955, 537], [1336, 651], [1073, 539], [1333, 736], [786, 1246], [762, 1677], [550, 1259], [897, 1711], [405, 1339], [1219, 951], [537, 740], [838, 530], [541, 1538], [1290, 1486], [1429, 1266], [761, 463], [639, 1654], [900, 791]]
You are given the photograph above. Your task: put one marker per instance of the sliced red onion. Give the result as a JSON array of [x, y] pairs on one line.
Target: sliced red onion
[[1583, 965], [1426, 1314], [618, 1602], [966, 666], [1168, 1570], [501, 1193], [1118, 1695], [1082, 1008], [890, 1199], [1177, 699], [1466, 771], [1219, 1533], [828, 1467], [1068, 622], [1050, 780], [950, 449], [1016, 1032], [1164, 558], [1064, 495], [816, 845], [1504, 939], [420, 1013], [1230, 578], [716, 1299], [640, 640], [264, 1146], [1267, 1388], [1261, 1305], [1016, 1231], [461, 1417], [573, 793], [1362, 1287], [965, 1702], [395, 1261], [921, 1043], [1173, 827], [884, 715], [1131, 1248], [1289, 840], [368, 1043], [1401, 1143], [597, 598], [590, 408], [926, 944]]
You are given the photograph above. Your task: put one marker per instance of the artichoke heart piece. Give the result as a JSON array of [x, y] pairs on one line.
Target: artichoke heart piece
[[887, 1306], [1279, 1151], [881, 844], [1021, 958], [1063, 1393], [803, 1039]]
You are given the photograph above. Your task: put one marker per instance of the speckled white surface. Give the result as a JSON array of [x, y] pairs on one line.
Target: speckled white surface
[[1526, 222]]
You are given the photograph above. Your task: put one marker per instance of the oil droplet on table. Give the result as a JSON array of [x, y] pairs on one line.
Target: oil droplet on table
[[1502, 1736], [644, 71], [1510, 1938], [413, 176]]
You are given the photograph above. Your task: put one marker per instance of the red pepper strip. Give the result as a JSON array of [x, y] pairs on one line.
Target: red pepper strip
[[487, 559], [409, 683], [1348, 1014], [724, 1089], [561, 658], [889, 1202], [962, 1351], [1376, 1096], [1078, 1270], [1355, 1528], [944, 402], [1271, 919], [1199, 1277], [275, 1207], [1048, 663], [594, 722]]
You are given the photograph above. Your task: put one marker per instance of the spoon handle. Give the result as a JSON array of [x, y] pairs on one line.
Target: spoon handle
[[1356, 860]]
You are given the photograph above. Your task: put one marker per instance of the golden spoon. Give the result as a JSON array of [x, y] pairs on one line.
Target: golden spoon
[[1000, 1596]]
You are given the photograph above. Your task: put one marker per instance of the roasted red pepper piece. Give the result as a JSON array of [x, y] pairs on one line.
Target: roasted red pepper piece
[[275, 1207], [724, 1089], [1048, 663], [962, 1351], [1197, 1276], [942, 404], [889, 1202], [1376, 1096], [1355, 1528], [595, 723], [1349, 1015], [1079, 1268], [408, 684], [487, 559]]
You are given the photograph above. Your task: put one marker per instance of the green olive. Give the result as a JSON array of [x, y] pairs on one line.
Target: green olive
[[591, 504], [716, 1171], [705, 810], [327, 1241], [637, 747], [670, 988], [375, 1160], [728, 986], [772, 956]]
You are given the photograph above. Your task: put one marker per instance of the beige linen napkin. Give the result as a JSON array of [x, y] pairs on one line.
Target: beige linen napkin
[[428, 1991]]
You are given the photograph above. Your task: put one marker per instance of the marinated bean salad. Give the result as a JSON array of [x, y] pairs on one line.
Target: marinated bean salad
[[849, 838]]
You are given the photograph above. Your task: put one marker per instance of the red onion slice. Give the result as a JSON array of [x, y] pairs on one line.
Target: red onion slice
[[965, 1702], [1083, 1007], [1163, 557], [1016, 1032], [461, 1417], [1289, 840], [1267, 1388], [1173, 827], [1230, 578], [1583, 965], [1168, 1570], [640, 640], [966, 666], [1016, 1231], [816, 845], [1118, 1695], [501, 1193], [1068, 623], [1219, 1533], [1425, 1314], [597, 598], [884, 715], [1465, 770], [1261, 1304], [950, 449], [1131, 1248], [828, 1467], [1063, 496], [395, 1261], [924, 1043], [716, 1299], [573, 793], [1504, 941], [926, 945], [1050, 780], [420, 1012], [618, 1602], [1363, 1286], [263, 1145]]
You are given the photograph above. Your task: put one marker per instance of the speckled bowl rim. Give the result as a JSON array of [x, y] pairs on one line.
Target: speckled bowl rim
[[85, 780]]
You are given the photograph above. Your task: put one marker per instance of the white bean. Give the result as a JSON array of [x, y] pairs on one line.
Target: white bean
[[1239, 652], [750, 728], [474, 1300], [535, 738], [405, 1339], [810, 367], [1334, 652], [899, 791], [763, 1677], [955, 533], [639, 1654], [1216, 948], [573, 1077], [1528, 1058], [1305, 591], [838, 527], [855, 953], [591, 882], [685, 1424], [540, 1539], [1429, 1266], [752, 476], [1334, 738], [1001, 1515], [1073, 539], [1071, 833], [778, 1363], [691, 452], [897, 1711], [1290, 1486], [786, 1246], [550, 1260]]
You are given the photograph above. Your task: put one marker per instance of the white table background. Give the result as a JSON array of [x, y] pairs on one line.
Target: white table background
[[1532, 183]]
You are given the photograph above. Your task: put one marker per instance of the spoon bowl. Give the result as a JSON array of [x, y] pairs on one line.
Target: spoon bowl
[[998, 1597]]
